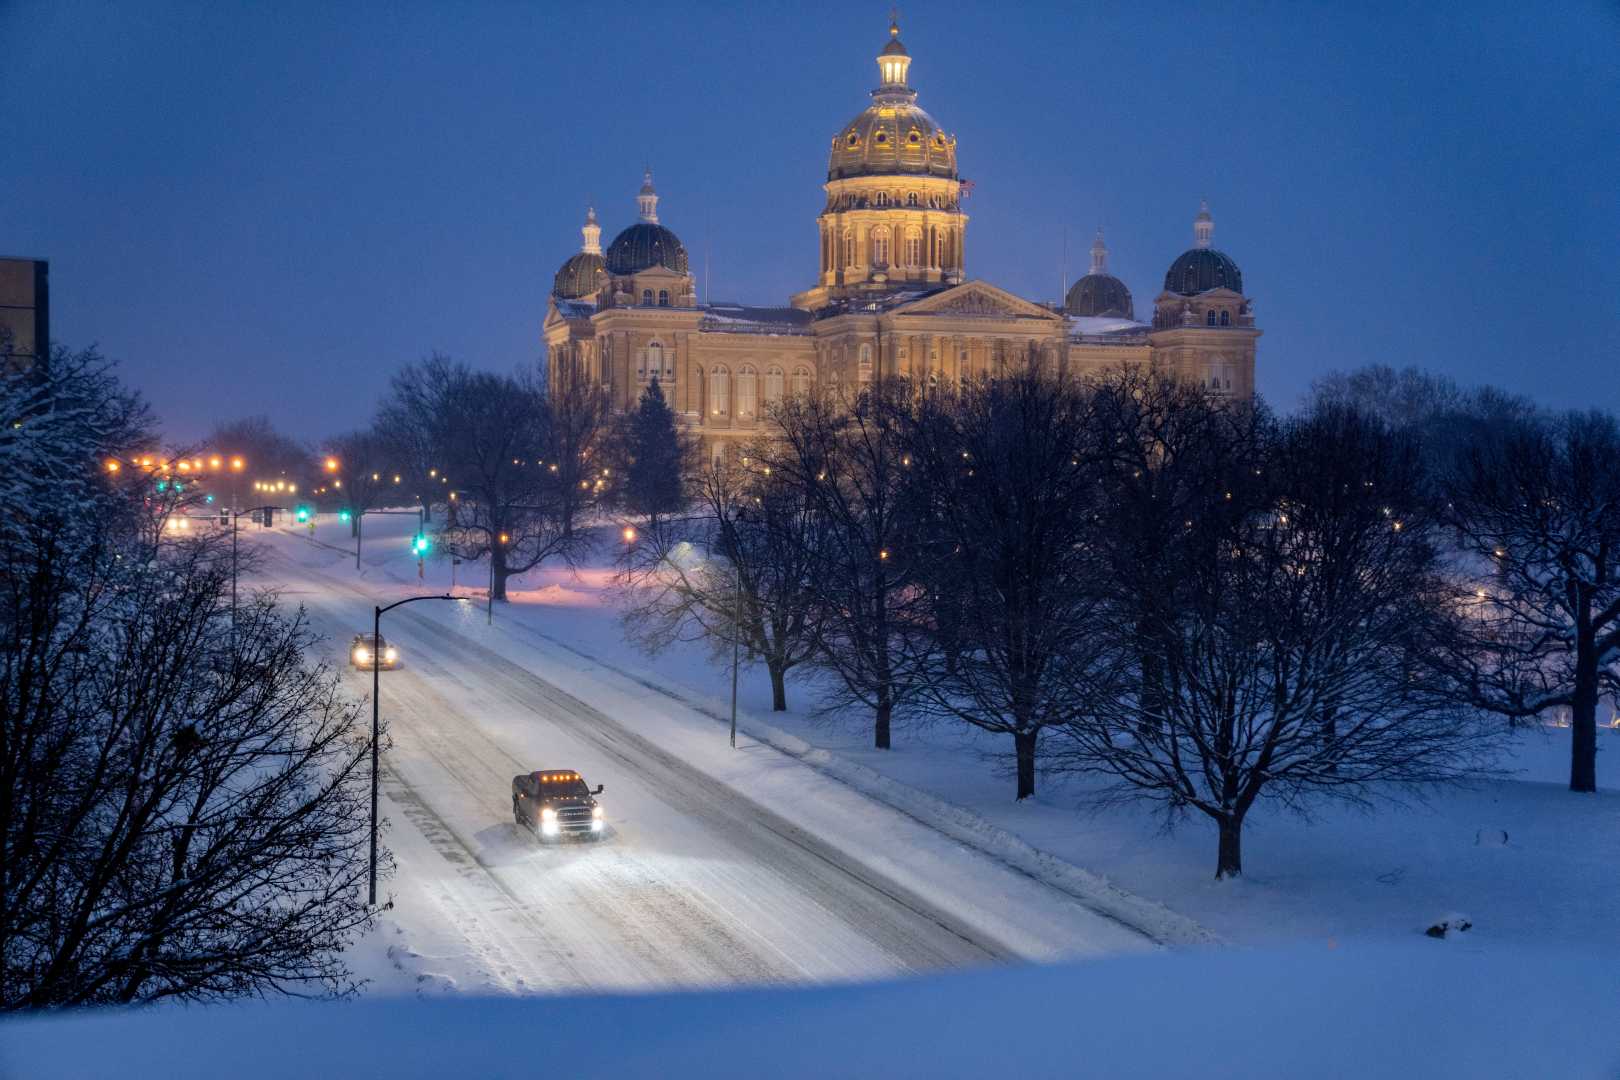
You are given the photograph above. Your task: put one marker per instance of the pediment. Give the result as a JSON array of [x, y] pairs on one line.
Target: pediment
[[977, 300]]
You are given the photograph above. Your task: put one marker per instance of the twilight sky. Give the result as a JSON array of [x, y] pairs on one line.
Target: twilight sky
[[269, 207]]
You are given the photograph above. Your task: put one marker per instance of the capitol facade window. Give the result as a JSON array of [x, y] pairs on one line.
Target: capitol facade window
[[746, 379], [719, 391], [880, 246], [801, 380], [773, 383]]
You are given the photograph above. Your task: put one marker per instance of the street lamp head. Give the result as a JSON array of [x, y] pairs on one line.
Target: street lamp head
[[629, 534]]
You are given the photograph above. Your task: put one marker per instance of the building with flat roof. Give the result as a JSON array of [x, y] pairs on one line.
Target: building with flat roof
[[25, 309]]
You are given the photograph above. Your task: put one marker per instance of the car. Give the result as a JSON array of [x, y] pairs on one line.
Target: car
[[557, 803], [368, 652]]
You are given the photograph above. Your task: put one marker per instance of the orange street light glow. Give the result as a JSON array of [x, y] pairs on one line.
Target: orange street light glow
[[629, 535]]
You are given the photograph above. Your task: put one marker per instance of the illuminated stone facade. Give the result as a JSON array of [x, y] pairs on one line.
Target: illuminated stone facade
[[891, 296]]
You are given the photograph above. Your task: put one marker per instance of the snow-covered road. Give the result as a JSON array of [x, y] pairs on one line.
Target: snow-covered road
[[695, 884]]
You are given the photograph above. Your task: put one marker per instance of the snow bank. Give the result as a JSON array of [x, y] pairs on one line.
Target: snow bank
[[1362, 1011]]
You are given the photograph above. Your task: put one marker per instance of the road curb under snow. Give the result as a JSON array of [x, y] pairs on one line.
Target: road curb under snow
[[1147, 917]]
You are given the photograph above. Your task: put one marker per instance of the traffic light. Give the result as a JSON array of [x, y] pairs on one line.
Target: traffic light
[[301, 514], [269, 516], [343, 516], [208, 498], [421, 544], [225, 516]]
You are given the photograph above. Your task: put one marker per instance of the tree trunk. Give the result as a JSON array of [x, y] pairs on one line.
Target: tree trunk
[[1229, 860], [354, 526], [885, 708], [1024, 744], [778, 687], [1583, 719], [498, 561]]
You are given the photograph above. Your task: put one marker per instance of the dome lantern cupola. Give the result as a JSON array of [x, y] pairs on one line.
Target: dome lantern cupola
[[1203, 226], [592, 233], [647, 199], [893, 62], [1099, 254]]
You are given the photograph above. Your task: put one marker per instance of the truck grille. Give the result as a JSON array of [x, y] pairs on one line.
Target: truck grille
[[574, 819]]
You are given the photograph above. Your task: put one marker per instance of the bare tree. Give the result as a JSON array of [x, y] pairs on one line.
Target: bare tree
[[1305, 657], [410, 430], [523, 465], [182, 808], [1534, 506], [268, 452], [849, 460], [739, 570], [1007, 471], [362, 478]]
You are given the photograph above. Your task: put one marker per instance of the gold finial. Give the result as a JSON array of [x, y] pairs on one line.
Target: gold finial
[[894, 22]]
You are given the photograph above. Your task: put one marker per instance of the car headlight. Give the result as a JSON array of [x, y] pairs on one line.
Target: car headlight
[[362, 656], [596, 812], [392, 654], [548, 814]]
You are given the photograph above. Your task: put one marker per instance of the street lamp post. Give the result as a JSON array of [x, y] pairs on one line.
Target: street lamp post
[[376, 724]]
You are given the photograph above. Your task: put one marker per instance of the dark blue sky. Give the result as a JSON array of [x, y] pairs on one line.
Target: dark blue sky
[[268, 207]]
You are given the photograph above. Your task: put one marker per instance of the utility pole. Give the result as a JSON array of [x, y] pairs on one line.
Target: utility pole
[[736, 643]]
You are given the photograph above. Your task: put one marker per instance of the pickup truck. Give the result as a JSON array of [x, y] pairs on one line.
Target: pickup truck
[[555, 803]]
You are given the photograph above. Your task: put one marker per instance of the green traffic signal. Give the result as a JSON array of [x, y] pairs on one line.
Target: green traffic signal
[[301, 514], [343, 516], [421, 544]]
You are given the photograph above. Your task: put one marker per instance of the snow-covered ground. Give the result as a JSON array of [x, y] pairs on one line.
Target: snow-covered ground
[[802, 858], [1452, 1012], [721, 866], [1343, 874]]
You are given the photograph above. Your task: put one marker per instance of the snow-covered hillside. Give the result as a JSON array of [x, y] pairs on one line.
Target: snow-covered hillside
[[1451, 1011]]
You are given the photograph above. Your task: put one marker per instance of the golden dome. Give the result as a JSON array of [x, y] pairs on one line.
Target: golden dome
[[892, 136]]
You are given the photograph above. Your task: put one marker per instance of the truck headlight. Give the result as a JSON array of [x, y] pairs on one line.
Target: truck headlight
[[392, 654], [547, 814], [596, 812], [362, 656]]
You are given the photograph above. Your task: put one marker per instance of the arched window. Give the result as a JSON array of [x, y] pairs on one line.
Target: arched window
[[773, 383], [913, 247], [663, 298], [880, 247], [719, 392], [801, 380], [863, 367], [1226, 318], [747, 380], [1210, 318], [911, 198], [883, 198], [655, 361], [646, 297], [849, 247]]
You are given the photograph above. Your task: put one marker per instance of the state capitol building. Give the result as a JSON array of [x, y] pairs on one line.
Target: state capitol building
[[891, 296]]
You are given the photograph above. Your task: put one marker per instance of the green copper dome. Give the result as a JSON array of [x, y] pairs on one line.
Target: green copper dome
[[579, 277], [1100, 294], [1202, 269], [643, 245]]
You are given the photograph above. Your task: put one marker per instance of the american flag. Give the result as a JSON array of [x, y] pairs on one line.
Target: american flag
[[967, 188]]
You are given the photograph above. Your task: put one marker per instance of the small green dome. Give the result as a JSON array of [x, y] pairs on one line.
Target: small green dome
[[645, 245], [1100, 294], [1202, 269], [579, 277]]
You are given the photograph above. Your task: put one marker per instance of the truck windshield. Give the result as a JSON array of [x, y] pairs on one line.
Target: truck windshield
[[563, 789]]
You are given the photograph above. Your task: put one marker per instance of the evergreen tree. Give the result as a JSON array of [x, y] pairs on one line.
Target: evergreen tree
[[653, 457]]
